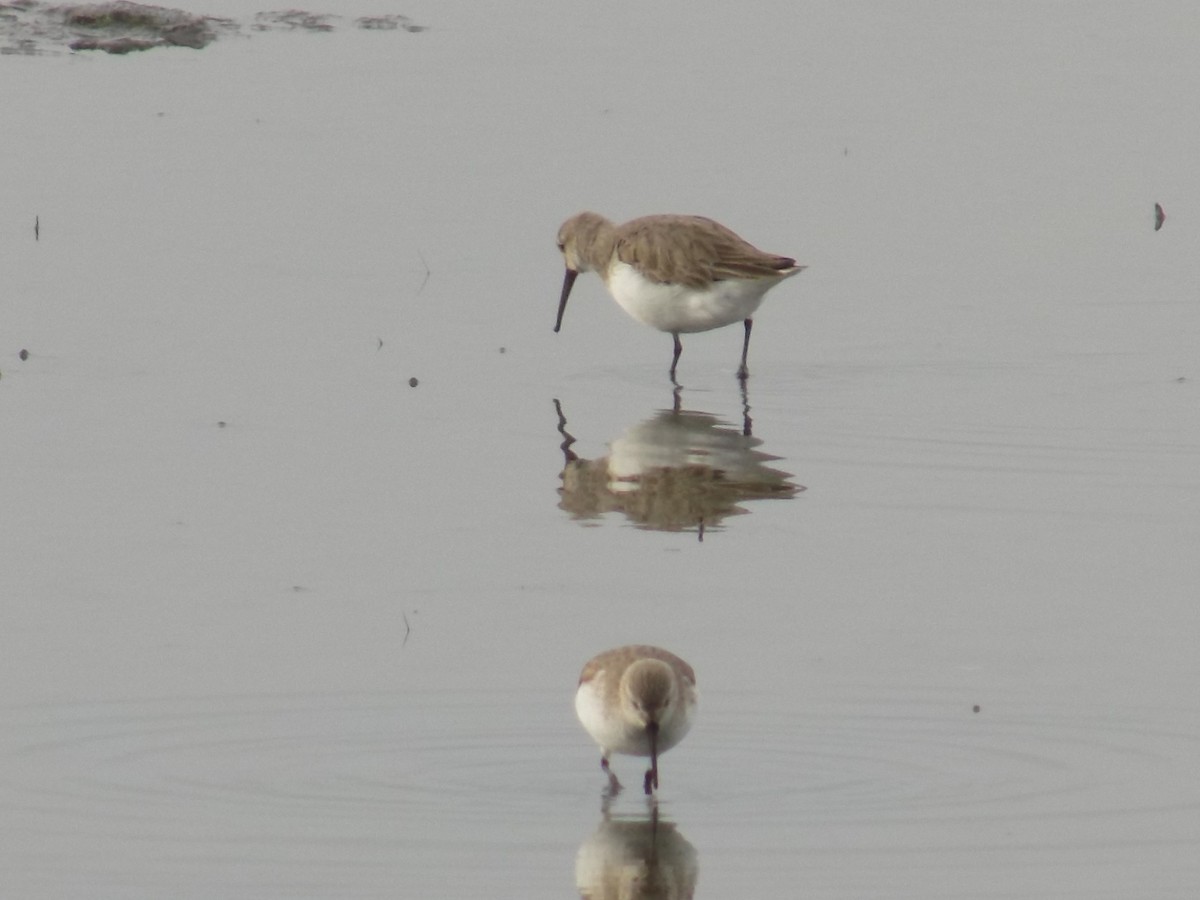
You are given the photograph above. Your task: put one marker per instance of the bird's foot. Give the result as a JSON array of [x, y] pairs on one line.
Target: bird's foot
[[614, 786], [650, 783]]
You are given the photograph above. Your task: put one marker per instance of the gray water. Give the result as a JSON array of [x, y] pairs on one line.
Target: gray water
[[277, 624]]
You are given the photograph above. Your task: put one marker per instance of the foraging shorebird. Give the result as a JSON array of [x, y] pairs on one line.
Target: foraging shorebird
[[638, 701], [679, 274]]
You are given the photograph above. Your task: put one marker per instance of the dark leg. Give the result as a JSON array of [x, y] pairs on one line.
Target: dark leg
[[569, 455], [675, 358], [743, 371], [614, 786], [650, 784], [747, 422]]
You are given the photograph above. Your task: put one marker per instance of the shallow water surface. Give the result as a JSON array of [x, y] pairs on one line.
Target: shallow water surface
[[280, 621]]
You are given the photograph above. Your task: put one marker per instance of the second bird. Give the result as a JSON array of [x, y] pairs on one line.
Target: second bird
[[637, 700], [679, 274]]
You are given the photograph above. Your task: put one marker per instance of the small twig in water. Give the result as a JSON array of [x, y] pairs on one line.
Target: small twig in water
[[427, 272]]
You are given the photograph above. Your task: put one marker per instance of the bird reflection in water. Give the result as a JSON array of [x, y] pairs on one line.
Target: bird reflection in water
[[678, 470], [636, 859]]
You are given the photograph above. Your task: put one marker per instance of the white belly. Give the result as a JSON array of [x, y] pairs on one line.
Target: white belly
[[617, 734], [679, 309]]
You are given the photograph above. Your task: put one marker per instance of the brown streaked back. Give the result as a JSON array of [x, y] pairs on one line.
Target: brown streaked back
[[615, 661], [694, 251]]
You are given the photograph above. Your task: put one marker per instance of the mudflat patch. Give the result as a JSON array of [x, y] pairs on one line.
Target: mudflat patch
[[31, 28]]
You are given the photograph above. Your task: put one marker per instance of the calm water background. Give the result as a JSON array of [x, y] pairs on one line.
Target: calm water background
[[276, 624]]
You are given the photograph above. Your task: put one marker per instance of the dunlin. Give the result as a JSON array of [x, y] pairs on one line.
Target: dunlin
[[636, 700], [678, 274]]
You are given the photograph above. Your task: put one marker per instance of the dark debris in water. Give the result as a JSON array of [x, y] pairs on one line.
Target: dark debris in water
[[118, 45], [291, 19], [389, 23], [123, 27], [32, 28]]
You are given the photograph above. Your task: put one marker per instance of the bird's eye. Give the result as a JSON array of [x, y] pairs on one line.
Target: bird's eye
[[561, 246]]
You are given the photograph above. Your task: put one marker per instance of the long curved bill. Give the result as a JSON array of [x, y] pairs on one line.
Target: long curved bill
[[568, 280]]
